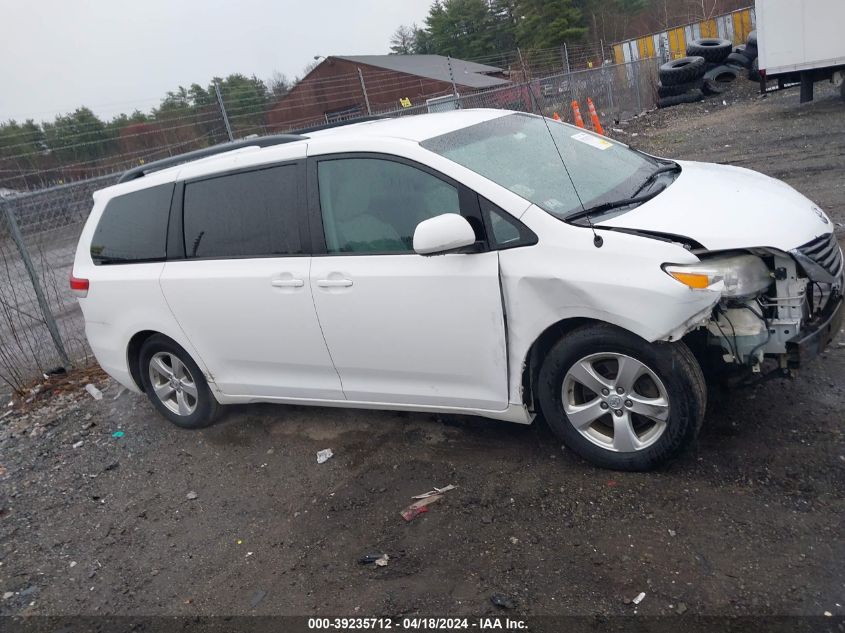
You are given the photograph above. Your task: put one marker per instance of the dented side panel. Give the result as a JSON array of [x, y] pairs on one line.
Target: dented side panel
[[565, 276]]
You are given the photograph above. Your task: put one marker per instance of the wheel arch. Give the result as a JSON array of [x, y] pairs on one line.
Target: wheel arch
[[133, 352], [540, 347]]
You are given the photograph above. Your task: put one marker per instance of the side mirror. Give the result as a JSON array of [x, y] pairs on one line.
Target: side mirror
[[443, 234]]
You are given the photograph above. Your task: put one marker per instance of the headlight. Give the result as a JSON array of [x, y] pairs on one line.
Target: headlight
[[742, 276]]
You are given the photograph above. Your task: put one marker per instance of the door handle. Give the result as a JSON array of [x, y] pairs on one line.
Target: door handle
[[287, 283], [334, 283]]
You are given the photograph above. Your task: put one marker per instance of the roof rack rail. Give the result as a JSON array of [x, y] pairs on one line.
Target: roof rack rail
[[328, 126], [261, 141]]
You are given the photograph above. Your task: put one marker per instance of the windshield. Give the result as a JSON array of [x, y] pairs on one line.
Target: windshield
[[517, 152]]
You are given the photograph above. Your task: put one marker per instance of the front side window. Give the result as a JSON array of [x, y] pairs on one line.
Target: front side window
[[374, 205], [517, 152], [249, 214], [133, 227]]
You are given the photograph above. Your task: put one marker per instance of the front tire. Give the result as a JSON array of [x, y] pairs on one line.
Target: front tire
[[175, 384], [620, 402]]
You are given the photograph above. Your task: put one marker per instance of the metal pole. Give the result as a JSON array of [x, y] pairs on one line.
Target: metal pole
[[49, 320], [637, 81], [223, 111], [602, 51], [452, 79], [522, 63], [566, 58], [364, 90]]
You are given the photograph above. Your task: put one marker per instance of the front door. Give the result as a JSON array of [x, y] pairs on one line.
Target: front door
[[242, 295], [402, 328]]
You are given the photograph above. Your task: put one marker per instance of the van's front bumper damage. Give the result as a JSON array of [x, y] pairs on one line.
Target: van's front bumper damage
[[813, 339]]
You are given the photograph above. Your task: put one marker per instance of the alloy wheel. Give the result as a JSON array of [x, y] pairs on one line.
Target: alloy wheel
[[615, 401], [173, 383]]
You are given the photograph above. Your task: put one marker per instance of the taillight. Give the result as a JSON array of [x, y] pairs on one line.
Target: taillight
[[79, 286]]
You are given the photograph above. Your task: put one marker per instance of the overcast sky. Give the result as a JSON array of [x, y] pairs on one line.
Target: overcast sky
[[117, 55]]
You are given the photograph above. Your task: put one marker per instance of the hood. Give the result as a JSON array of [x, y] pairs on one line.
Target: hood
[[723, 208]]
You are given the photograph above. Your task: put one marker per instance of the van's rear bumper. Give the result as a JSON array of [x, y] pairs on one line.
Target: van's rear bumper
[[815, 338]]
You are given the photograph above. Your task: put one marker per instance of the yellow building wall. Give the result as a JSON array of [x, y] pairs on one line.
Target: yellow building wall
[[742, 25], [618, 55], [709, 28], [677, 43]]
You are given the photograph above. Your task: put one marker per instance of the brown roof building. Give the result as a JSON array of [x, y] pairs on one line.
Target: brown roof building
[[347, 87]]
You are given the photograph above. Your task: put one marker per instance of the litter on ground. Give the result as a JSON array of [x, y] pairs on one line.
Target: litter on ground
[[419, 507], [436, 491]]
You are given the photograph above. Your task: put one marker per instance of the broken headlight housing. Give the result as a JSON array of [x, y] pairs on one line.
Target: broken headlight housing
[[736, 276]]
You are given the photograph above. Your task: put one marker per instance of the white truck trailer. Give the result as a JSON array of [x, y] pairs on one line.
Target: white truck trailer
[[802, 41]]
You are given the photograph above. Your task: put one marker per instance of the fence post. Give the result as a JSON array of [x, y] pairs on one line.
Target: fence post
[[452, 79], [566, 59], [637, 82], [223, 111], [49, 320], [364, 90]]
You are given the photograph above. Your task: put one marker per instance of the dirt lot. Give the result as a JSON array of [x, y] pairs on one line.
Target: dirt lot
[[748, 522]]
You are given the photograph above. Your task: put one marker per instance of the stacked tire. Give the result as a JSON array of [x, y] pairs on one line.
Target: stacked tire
[[744, 58], [705, 71], [718, 73], [681, 81]]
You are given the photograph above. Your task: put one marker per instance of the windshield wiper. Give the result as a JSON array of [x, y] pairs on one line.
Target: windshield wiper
[[614, 204], [663, 169]]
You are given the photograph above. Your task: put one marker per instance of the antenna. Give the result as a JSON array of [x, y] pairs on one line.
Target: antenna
[[597, 239]]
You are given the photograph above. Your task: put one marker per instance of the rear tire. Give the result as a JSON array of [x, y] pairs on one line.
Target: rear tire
[[175, 384], [653, 419]]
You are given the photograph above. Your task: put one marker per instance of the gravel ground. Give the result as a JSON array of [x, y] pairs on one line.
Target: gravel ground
[[241, 519]]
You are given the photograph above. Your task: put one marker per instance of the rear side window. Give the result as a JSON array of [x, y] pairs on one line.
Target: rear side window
[[133, 227], [250, 214]]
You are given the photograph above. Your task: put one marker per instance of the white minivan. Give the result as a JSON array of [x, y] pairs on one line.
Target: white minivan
[[481, 262]]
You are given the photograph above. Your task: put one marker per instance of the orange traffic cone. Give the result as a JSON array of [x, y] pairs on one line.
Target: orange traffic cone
[[556, 116], [577, 112], [594, 116]]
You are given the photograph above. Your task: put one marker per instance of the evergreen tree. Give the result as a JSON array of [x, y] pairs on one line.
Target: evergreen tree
[[548, 23]]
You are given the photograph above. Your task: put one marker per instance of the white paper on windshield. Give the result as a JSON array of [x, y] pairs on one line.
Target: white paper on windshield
[[592, 141]]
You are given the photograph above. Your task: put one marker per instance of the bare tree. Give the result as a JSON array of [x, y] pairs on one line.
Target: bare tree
[[279, 84], [404, 40]]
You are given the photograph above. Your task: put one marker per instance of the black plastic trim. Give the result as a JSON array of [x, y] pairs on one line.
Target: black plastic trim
[[164, 163], [175, 227], [527, 237], [813, 340]]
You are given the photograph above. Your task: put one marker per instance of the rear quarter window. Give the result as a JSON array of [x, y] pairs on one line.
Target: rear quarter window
[[249, 214], [133, 227]]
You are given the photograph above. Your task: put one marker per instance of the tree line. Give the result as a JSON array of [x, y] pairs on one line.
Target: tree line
[[80, 144]]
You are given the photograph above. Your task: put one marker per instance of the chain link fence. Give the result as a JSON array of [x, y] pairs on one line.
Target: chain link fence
[[41, 326], [619, 92]]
